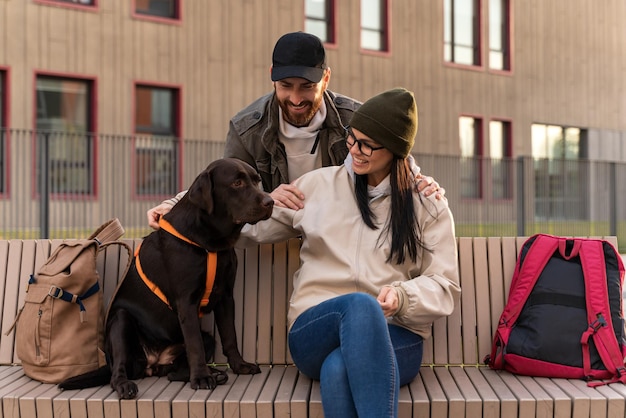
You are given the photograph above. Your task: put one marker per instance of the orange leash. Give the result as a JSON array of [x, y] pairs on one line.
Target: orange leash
[[211, 268]]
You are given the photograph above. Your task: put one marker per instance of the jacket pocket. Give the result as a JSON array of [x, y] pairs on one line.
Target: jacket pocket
[[34, 327]]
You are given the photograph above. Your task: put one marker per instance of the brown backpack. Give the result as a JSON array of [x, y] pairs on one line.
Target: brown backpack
[[60, 328]]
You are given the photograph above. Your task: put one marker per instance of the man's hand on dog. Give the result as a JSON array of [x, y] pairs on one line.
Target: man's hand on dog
[[155, 214]]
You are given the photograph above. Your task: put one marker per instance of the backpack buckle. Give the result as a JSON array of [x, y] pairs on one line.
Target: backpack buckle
[[55, 292], [598, 323]]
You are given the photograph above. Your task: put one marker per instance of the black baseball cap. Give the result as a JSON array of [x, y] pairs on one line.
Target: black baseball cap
[[298, 54]]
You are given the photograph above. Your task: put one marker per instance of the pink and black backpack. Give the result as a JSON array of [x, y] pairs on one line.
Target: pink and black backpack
[[564, 314]]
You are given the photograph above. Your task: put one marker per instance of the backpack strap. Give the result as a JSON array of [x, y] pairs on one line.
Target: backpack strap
[[58, 293], [599, 314], [109, 231], [539, 253], [541, 248]]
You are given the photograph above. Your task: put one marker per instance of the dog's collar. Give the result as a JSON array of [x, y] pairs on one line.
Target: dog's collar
[[211, 268]]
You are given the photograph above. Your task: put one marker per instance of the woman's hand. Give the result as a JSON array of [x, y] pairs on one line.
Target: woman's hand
[[388, 299]]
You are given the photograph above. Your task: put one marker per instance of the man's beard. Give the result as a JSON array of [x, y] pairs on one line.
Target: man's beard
[[300, 120]]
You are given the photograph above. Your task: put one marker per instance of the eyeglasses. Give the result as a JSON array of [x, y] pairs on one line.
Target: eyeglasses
[[364, 148]]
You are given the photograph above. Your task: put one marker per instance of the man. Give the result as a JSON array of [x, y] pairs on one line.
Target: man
[[295, 129]]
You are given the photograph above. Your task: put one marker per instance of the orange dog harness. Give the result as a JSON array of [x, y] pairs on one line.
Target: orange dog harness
[[211, 267]]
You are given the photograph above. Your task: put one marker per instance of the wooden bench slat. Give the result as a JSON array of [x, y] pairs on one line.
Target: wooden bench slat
[[473, 401], [581, 401], [96, 402], [282, 401], [315, 401], [28, 402], [436, 394], [198, 401], [616, 400], [181, 403], [546, 405], [279, 283], [162, 402], [468, 253], [78, 402], [12, 281], [421, 403], [491, 403], [247, 403], [405, 402], [457, 403], [232, 400], [484, 332], [44, 405], [250, 303], [11, 401], [300, 398], [264, 403], [507, 400], [132, 407], [526, 401], [599, 402], [61, 403], [263, 337]]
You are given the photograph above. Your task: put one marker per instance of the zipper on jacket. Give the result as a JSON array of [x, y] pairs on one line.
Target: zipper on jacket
[[357, 254], [37, 336]]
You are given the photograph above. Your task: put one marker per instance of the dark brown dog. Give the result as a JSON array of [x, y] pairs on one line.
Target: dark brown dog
[[144, 336]]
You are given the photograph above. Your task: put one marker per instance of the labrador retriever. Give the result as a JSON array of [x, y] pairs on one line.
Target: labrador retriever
[[153, 322]]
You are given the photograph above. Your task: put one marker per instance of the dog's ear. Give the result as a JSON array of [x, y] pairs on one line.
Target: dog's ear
[[201, 191]]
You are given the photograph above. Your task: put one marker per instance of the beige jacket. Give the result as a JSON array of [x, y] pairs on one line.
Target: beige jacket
[[340, 254]]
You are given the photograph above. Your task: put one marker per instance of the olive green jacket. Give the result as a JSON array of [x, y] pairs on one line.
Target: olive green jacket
[[253, 137]]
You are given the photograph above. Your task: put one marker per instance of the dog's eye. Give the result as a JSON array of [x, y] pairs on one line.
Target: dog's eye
[[238, 183]]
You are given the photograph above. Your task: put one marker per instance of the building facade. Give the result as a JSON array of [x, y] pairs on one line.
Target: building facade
[[494, 80]]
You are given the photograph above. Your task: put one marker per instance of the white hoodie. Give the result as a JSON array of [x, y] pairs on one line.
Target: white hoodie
[[341, 255]]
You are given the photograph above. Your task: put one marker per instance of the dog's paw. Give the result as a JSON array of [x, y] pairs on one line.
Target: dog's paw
[[245, 368], [126, 389], [208, 382]]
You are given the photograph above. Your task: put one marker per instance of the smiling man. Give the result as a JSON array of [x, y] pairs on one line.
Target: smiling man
[[297, 128], [294, 129]]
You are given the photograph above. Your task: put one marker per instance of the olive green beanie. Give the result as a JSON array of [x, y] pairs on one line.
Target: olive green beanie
[[389, 118]]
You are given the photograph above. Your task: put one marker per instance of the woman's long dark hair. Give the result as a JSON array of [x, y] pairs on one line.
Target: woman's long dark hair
[[402, 223]]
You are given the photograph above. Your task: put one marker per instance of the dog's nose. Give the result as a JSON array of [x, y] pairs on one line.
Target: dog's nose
[[267, 201]]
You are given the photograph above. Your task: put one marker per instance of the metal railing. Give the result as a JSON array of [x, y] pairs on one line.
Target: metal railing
[[64, 185]]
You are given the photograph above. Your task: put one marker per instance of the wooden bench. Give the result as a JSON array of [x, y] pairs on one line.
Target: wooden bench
[[452, 382]]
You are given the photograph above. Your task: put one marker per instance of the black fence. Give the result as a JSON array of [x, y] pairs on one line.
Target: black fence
[[64, 185]]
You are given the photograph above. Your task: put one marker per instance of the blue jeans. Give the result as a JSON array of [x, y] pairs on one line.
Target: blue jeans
[[360, 360]]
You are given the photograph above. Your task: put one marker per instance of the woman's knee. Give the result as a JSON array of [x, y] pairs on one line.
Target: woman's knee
[[334, 369], [364, 304]]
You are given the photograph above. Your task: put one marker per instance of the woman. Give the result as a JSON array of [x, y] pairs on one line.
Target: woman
[[378, 264]]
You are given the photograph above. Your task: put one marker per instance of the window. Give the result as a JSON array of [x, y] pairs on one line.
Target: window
[[156, 125], [471, 150], [374, 25], [501, 159], [3, 132], [72, 2], [560, 189], [3, 99], [63, 124], [461, 36], [168, 9], [499, 35], [320, 19]]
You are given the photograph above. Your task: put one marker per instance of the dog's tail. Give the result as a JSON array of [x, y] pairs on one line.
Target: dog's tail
[[98, 377]]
